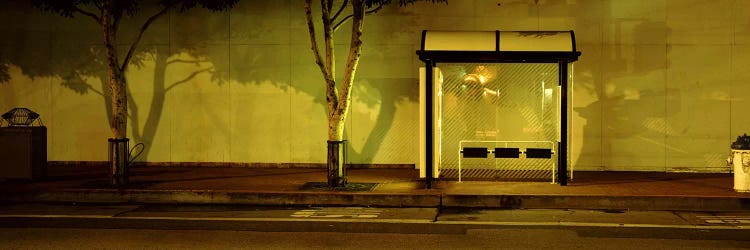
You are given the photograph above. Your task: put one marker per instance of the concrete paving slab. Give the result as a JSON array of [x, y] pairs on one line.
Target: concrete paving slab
[[560, 201], [229, 197], [287, 213], [613, 217]]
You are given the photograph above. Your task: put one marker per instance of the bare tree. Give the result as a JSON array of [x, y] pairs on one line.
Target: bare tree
[[338, 95]]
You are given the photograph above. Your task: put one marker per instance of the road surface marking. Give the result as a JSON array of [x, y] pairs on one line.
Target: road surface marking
[[345, 212], [56, 216], [725, 219], [36, 216]]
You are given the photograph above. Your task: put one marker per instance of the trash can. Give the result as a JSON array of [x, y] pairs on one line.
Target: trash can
[[740, 160], [23, 145]]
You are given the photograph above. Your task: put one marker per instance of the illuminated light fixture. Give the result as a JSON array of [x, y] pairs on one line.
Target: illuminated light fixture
[[475, 78], [20, 117], [490, 92], [484, 72]]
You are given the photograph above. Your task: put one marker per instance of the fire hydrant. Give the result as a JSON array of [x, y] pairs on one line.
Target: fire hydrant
[[740, 161]]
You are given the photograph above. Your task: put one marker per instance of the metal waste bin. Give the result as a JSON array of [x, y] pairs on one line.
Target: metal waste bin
[[740, 160], [23, 145]]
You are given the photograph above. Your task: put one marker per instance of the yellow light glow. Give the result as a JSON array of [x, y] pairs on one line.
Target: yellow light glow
[[475, 78], [490, 92]]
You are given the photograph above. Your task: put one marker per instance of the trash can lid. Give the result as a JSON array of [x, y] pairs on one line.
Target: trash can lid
[[743, 142], [20, 117]]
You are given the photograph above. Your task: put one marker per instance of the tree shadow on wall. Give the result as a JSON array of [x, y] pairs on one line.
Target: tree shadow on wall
[[70, 49], [624, 106], [74, 55], [378, 94], [4, 74], [381, 94]]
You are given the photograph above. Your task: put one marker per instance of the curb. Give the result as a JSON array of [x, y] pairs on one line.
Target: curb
[[668, 203], [228, 197]]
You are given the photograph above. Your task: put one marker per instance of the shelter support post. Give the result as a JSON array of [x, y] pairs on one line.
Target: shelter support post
[[562, 148], [429, 126]]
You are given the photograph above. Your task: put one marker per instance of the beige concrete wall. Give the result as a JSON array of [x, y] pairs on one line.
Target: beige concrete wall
[[659, 86]]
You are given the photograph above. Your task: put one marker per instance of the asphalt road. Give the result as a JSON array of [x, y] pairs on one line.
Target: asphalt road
[[45, 238], [63, 226]]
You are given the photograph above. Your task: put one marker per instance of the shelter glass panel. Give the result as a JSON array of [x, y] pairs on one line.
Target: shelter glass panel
[[510, 109]]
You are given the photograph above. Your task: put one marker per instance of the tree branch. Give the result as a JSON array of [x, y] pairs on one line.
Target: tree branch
[[191, 76], [186, 61], [311, 31], [331, 90], [376, 9], [355, 51], [328, 37], [89, 14], [94, 90], [336, 27], [138, 37], [99, 5], [343, 6], [329, 5], [116, 18]]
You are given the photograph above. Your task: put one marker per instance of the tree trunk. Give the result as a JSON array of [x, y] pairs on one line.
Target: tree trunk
[[118, 145], [340, 110], [116, 79], [339, 101]]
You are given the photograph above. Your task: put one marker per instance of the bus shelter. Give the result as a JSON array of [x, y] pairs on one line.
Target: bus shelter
[[496, 104]]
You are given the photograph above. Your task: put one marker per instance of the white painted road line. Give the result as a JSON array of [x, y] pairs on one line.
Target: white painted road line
[[56, 216], [418, 221], [347, 212], [725, 219]]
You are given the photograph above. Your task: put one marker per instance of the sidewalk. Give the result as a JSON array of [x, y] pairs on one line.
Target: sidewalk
[[395, 188]]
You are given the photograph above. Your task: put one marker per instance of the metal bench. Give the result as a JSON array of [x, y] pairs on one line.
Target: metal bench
[[505, 152]]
